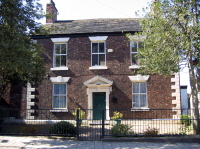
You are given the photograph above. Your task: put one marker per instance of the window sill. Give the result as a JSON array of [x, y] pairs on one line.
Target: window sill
[[59, 110], [134, 67], [140, 109], [98, 67], [59, 68]]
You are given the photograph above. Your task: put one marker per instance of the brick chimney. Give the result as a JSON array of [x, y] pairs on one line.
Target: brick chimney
[[51, 12]]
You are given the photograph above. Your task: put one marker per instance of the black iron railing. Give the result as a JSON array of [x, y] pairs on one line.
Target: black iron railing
[[82, 125]]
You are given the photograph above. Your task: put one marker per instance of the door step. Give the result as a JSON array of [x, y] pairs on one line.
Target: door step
[[99, 122]]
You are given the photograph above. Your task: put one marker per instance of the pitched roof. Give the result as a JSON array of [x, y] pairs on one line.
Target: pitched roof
[[94, 26]]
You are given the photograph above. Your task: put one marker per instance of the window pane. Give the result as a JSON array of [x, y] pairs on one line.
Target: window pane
[[143, 87], [136, 87], [59, 102], [56, 88], [63, 48], [136, 100], [94, 47], [59, 88], [62, 88], [62, 102], [57, 61], [134, 46], [56, 102], [101, 48], [134, 58], [143, 102], [63, 60], [95, 60], [57, 48], [102, 59]]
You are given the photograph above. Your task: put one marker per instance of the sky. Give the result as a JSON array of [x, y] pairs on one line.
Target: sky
[[93, 9], [90, 9]]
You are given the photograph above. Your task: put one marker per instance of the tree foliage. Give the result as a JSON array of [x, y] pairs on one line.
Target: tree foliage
[[172, 33], [20, 60], [172, 38]]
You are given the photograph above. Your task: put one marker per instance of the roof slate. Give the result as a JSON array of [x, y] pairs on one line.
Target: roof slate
[[94, 26]]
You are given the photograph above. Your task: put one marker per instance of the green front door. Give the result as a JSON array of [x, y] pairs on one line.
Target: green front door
[[99, 103]]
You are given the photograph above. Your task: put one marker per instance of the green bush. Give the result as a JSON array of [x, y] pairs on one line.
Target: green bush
[[151, 132], [63, 128], [121, 130], [186, 120]]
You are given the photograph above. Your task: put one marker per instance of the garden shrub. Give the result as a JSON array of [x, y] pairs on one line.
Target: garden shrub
[[186, 120], [63, 127], [151, 132], [121, 130]]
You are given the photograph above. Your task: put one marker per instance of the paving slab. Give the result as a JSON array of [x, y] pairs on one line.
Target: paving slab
[[13, 142]]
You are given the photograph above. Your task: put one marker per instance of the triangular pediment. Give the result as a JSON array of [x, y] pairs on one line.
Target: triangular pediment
[[98, 80]]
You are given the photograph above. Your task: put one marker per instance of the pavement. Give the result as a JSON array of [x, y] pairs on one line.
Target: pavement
[[28, 142]]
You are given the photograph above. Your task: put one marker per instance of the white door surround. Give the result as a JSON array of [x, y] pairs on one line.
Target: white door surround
[[98, 84]]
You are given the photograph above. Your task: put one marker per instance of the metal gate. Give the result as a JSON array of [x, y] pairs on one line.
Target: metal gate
[[90, 129]]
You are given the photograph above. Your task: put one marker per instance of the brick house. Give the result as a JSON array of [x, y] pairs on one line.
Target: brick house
[[90, 64]]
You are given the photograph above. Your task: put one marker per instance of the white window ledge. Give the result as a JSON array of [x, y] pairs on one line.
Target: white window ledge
[[59, 68], [134, 67], [98, 67], [59, 110], [140, 109]]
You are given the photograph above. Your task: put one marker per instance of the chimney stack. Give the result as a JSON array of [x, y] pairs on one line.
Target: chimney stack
[[51, 12]]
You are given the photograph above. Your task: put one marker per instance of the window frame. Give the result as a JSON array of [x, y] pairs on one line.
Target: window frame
[[59, 80], [54, 55], [59, 96], [98, 53], [98, 39], [133, 66], [133, 101], [59, 41]]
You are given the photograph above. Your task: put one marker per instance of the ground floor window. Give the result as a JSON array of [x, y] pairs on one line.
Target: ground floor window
[[59, 96], [139, 94]]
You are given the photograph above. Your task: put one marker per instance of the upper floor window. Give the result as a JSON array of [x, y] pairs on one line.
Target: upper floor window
[[135, 45], [139, 94], [98, 54], [60, 55]]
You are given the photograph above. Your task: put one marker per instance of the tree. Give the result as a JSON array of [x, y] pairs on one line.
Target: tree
[[172, 35], [20, 60]]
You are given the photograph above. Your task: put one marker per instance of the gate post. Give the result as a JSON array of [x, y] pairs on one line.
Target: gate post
[[103, 123], [77, 123]]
